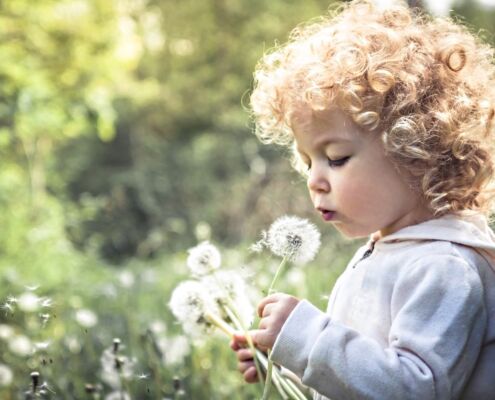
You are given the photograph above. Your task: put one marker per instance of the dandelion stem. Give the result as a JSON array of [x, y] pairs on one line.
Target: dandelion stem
[[219, 323], [282, 265], [231, 309]]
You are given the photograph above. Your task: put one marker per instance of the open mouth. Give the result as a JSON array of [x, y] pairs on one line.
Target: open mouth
[[327, 215]]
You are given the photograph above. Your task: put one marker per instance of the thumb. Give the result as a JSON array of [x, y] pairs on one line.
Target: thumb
[[257, 336]]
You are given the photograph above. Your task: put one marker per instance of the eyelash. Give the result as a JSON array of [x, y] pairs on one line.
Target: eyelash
[[333, 163]]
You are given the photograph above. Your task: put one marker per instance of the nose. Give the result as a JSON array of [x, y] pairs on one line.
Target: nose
[[317, 180]]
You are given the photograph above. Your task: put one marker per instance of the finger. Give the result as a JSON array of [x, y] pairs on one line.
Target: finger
[[251, 375], [261, 338], [244, 366], [244, 355], [273, 298], [264, 323], [267, 310], [238, 341]]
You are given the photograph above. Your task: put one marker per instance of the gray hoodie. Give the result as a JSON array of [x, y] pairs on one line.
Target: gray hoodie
[[411, 317]]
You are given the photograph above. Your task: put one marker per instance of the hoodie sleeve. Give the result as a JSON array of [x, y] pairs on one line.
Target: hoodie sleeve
[[438, 321]]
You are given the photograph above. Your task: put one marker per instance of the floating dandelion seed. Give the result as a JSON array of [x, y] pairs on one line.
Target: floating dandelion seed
[[293, 238], [203, 259], [32, 288], [46, 302], [8, 308], [12, 299]]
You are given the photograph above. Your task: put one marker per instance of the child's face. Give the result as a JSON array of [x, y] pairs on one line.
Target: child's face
[[350, 180]]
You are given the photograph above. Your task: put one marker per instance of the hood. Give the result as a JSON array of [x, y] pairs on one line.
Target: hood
[[470, 230]]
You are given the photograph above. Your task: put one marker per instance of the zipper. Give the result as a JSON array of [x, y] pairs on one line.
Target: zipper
[[366, 254]]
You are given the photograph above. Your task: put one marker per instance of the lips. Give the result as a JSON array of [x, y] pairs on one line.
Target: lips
[[327, 215]]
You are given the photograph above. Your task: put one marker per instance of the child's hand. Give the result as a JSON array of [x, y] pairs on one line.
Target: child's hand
[[245, 359], [274, 311]]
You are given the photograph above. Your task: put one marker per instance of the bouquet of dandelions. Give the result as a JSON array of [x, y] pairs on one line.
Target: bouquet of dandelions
[[216, 299]]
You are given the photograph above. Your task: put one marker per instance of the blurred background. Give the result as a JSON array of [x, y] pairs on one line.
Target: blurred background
[[124, 140]]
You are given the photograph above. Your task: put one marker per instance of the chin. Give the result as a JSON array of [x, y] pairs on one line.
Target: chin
[[351, 233]]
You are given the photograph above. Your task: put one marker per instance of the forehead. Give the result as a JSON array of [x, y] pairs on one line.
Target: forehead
[[324, 126]]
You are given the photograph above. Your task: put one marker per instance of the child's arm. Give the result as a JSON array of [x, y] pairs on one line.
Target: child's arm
[[438, 322]]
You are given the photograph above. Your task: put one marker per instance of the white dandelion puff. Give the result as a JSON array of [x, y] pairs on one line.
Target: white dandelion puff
[[174, 350], [229, 291], [28, 302], [116, 367], [203, 259], [86, 318], [293, 238], [6, 375], [6, 332], [117, 395], [195, 310], [20, 345]]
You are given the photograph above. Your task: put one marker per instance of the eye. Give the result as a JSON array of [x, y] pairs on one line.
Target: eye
[[338, 163]]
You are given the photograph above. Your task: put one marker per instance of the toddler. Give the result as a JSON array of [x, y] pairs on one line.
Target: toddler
[[390, 117]]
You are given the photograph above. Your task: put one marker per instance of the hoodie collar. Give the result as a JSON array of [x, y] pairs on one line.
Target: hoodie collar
[[468, 229]]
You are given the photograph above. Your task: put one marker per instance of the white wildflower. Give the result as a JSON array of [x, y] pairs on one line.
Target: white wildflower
[[20, 345], [86, 318], [203, 259], [174, 350], [116, 367], [229, 290], [158, 327], [6, 375], [73, 344], [28, 302], [118, 395], [6, 332], [294, 238], [189, 304], [126, 279]]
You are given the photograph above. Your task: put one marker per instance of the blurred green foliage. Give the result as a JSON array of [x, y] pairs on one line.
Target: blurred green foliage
[[124, 139]]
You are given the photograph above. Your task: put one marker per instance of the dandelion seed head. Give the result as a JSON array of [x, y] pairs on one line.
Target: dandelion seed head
[[126, 279], [118, 395], [20, 345], [294, 238], [112, 375], [6, 375], [28, 302], [6, 332], [203, 259], [189, 301], [174, 350], [228, 286], [86, 318]]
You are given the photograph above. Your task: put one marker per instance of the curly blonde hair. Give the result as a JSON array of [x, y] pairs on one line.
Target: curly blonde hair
[[427, 85]]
